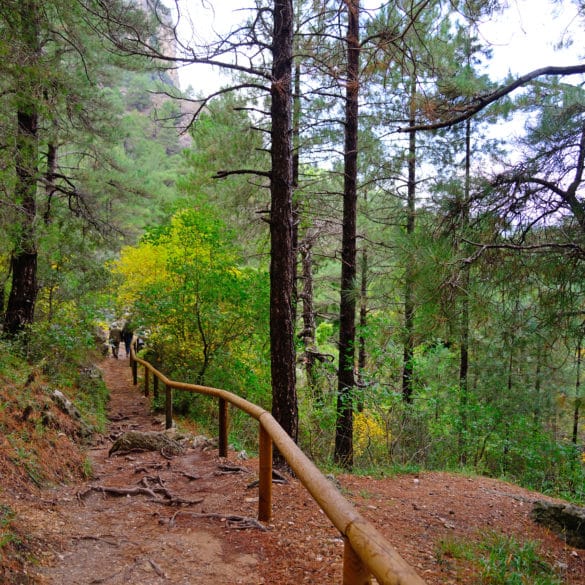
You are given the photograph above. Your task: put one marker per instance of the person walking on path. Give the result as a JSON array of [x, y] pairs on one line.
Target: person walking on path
[[115, 339], [127, 334]]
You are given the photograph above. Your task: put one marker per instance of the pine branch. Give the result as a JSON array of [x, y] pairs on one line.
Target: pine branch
[[223, 173], [482, 101]]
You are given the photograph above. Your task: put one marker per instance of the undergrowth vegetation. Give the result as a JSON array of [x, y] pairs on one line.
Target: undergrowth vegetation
[[500, 559], [40, 445]]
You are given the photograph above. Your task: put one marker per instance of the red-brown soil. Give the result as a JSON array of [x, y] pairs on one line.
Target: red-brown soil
[[91, 538]]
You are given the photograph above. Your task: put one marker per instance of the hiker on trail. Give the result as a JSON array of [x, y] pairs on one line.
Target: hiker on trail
[[115, 338], [127, 334]]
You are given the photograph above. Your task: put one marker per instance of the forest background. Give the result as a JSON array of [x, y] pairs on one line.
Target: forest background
[[432, 300]]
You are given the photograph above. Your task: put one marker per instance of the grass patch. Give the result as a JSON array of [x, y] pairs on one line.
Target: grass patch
[[91, 397], [7, 536], [500, 559]]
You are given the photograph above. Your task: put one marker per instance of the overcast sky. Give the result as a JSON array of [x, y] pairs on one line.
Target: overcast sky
[[527, 37], [524, 39]]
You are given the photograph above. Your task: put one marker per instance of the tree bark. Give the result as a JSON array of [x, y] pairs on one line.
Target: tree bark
[[408, 356], [308, 333], [577, 405], [464, 319], [23, 292], [343, 453], [50, 181], [282, 260], [362, 354]]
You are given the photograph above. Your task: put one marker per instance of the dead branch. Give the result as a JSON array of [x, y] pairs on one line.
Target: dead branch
[[189, 476], [225, 469], [256, 483], [222, 174], [157, 569], [118, 417], [232, 521], [149, 467], [277, 477], [96, 538]]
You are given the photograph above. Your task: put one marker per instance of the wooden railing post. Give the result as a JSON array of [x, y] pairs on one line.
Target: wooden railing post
[[223, 427], [146, 381], [168, 407], [265, 476], [366, 552], [134, 372], [354, 570]]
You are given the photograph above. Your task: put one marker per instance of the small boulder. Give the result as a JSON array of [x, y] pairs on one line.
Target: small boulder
[[146, 441], [67, 407], [565, 520]]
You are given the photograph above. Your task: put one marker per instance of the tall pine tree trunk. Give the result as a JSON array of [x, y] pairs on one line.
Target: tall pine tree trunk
[[408, 357], [362, 354], [308, 333], [282, 259], [343, 453], [464, 318], [50, 188], [577, 405], [23, 292]]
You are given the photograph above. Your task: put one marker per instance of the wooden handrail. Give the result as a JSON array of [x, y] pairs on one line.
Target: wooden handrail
[[366, 551]]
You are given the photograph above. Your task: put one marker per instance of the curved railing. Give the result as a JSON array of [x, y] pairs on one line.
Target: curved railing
[[366, 551]]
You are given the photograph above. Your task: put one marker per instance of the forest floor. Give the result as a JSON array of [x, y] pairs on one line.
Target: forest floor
[[85, 536]]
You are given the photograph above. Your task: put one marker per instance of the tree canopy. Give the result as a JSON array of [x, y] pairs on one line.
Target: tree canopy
[[343, 231]]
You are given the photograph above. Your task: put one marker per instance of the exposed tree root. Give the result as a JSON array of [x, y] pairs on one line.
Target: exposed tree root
[[157, 569], [168, 500], [150, 467], [190, 476], [277, 477], [226, 469], [232, 521], [97, 538], [256, 483], [127, 572]]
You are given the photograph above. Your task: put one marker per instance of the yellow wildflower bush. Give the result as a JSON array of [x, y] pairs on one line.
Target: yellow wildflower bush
[[369, 433], [138, 267]]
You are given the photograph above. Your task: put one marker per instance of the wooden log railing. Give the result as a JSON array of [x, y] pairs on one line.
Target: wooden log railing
[[366, 550]]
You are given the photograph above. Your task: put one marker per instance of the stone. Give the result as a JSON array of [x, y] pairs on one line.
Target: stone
[[146, 441], [565, 520], [67, 407]]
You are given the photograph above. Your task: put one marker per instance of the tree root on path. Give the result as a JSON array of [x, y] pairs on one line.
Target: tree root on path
[[190, 476], [127, 572], [277, 477], [231, 520], [108, 540], [226, 469], [150, 467], [146, 491]]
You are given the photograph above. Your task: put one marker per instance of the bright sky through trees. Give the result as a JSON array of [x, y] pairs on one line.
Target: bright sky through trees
[[524, 38], [527, 37], [206, 20]]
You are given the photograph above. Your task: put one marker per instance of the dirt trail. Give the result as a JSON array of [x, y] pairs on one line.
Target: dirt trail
[[104, 539], [132, 540]]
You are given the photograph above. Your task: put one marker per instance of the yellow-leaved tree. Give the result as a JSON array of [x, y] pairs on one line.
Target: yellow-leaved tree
[[206, 312]]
